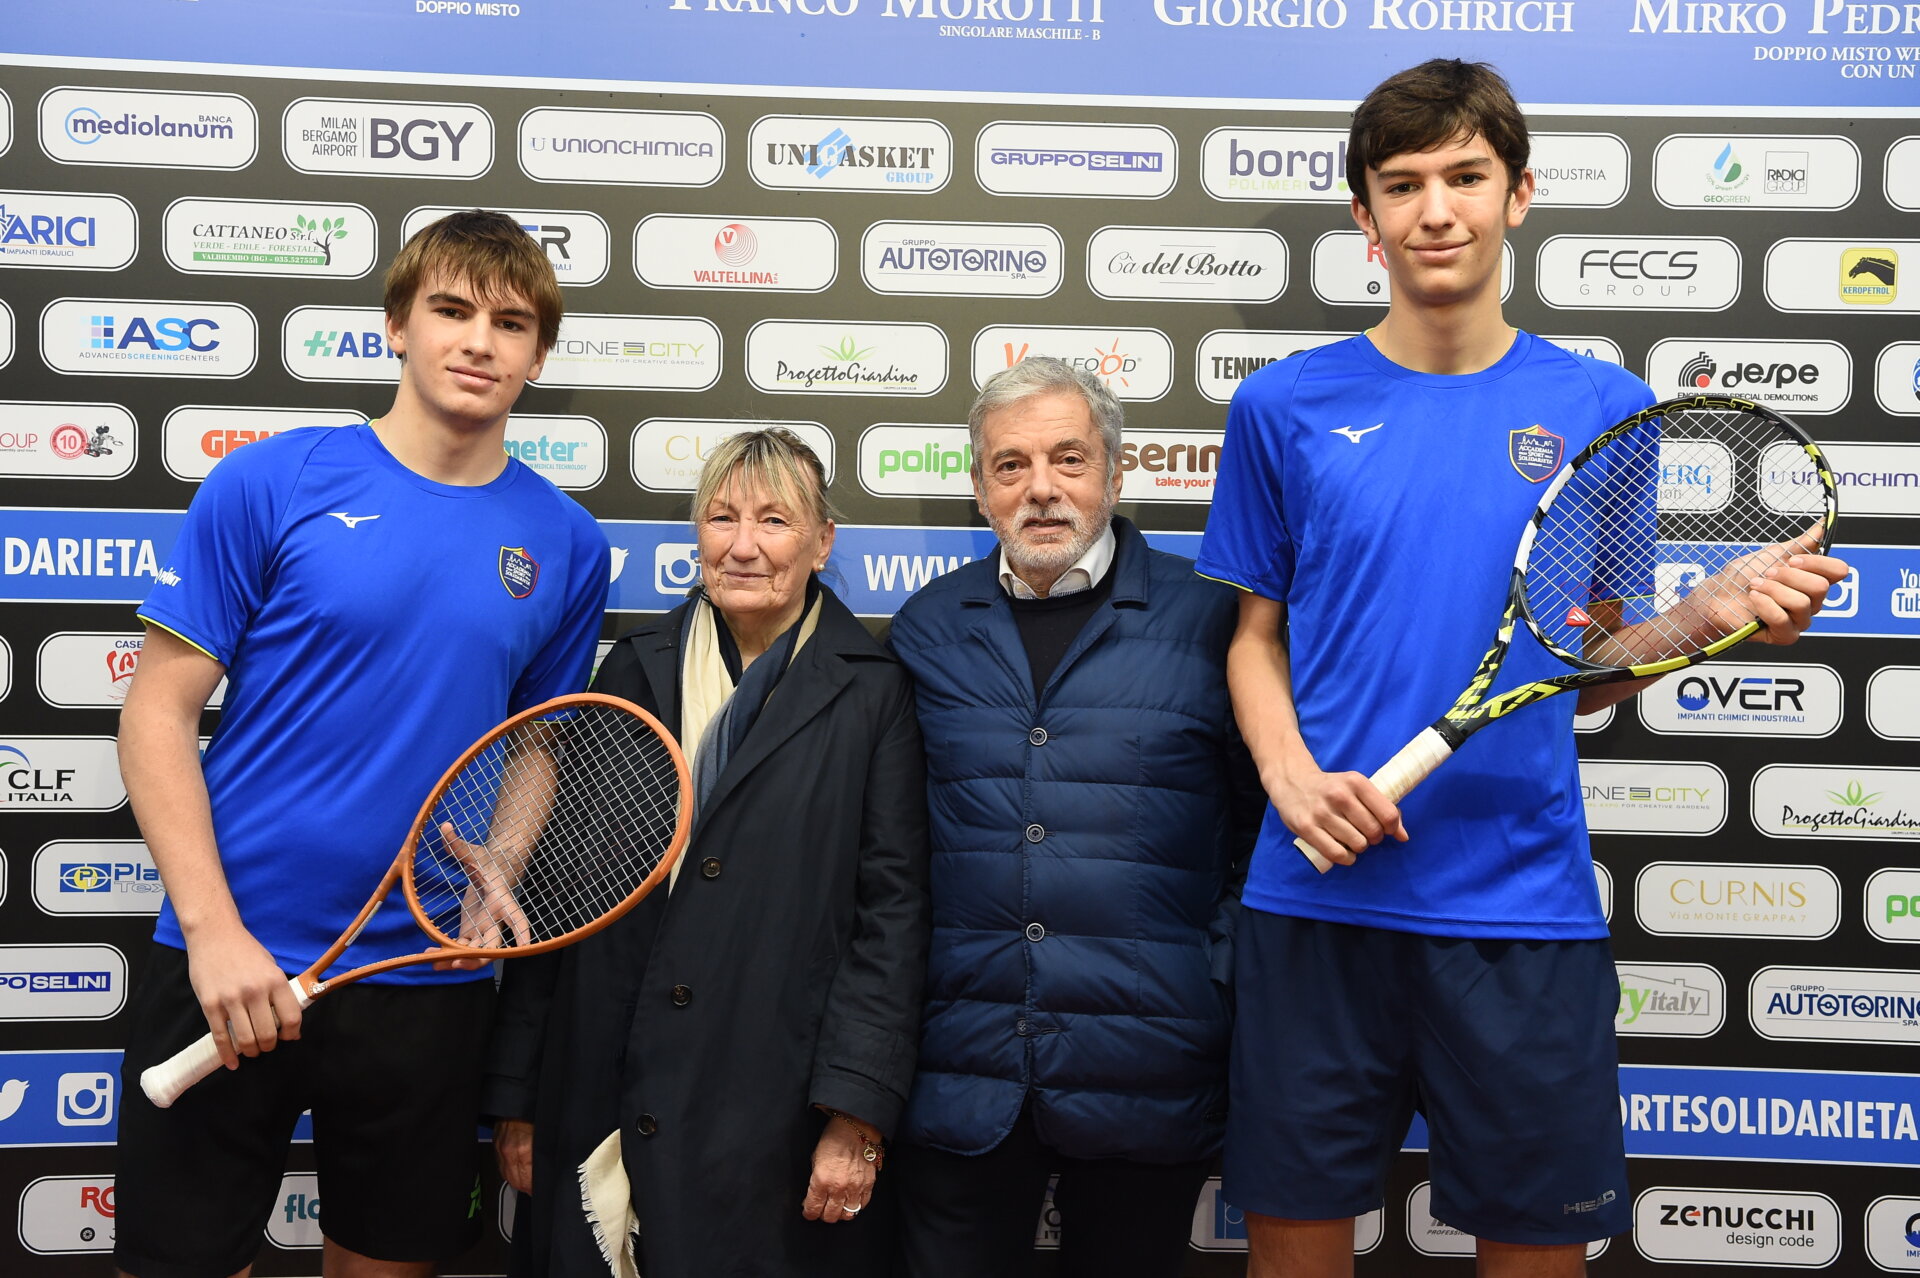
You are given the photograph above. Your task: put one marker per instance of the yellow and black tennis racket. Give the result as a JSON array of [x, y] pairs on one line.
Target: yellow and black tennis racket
[[1639, 558], [544, 831]]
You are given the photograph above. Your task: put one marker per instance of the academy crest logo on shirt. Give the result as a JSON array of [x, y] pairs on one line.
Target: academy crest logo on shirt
[[518, 571], [1535, 452]]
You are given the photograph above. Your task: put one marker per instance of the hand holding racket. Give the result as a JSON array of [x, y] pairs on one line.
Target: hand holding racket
[[1663, 543], [544, 831]]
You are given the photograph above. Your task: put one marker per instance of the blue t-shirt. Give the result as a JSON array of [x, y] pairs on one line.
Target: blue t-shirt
[[1382, 506], [374, 624]]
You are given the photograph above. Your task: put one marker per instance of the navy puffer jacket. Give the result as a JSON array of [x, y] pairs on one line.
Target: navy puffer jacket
[[1084, 865]]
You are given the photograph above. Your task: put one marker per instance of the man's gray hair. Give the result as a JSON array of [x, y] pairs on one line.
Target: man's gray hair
[[1044, 375]]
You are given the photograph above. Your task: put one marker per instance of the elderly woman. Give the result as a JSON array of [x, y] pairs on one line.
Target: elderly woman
[[729, 1058]]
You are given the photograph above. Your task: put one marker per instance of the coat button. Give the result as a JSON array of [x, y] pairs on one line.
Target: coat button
[[1037, 737], [1035, 932], [682, 995], [647, 1125], [1036, 832], [710, 868]]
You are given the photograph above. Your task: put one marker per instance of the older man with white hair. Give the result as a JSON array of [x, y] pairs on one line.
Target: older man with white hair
[[1090, 805]]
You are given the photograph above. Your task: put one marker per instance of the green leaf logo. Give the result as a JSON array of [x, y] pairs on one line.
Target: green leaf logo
[[1854, 796], [847, 351]]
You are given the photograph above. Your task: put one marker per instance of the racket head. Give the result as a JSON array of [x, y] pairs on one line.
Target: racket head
[[1690, 499], [547, 829]]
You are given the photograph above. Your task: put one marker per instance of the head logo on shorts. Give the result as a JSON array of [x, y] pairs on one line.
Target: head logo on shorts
[[1535, 452], [518, 571]]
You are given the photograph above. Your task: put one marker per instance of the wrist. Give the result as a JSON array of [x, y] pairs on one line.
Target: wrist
[[872, 1148]]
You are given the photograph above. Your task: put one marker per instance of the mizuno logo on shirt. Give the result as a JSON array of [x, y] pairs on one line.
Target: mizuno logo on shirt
[[351, 521], [1352, 434]]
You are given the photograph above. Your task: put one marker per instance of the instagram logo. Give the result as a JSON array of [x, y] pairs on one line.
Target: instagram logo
[[84, 1099]]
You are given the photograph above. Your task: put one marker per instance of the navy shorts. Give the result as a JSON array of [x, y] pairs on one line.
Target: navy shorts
[[1505, 1046]]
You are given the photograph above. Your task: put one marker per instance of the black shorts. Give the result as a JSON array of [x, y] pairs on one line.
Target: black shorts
[[392, 1075]]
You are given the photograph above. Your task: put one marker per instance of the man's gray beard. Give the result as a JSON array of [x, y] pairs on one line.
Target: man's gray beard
[[1083, 530]]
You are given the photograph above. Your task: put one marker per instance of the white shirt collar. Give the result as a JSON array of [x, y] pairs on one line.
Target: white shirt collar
[[1086, 573]]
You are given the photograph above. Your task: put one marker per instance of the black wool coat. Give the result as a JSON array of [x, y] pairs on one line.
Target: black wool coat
[[783, 973]]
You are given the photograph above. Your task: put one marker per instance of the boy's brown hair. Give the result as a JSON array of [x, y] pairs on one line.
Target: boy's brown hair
[[1438, 102], [487, 252]]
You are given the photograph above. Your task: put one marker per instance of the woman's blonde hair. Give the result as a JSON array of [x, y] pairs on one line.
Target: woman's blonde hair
[[774, 460]]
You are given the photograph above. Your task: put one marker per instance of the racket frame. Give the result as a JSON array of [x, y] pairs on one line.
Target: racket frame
[[1469, 713]]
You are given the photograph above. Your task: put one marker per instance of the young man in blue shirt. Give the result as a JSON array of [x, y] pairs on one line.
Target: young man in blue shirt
[[1370, 497], [377, 597]]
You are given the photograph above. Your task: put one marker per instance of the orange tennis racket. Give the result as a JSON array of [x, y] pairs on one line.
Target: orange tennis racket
[[547, 829]]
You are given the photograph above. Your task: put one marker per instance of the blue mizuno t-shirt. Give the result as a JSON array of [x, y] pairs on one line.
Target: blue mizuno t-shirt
[[1382, 507], [374, 624]]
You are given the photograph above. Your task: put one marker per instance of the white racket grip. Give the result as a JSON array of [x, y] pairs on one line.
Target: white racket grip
[[166, 1082], [1396, 778]]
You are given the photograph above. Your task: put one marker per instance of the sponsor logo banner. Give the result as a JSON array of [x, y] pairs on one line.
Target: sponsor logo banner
[[6, 334], [1878, 599], [1736, 1227], [622, 148], [148, 128], [1749, 171], [67, 1215], [1645, 797], [965, 259], [1638, 272], [1670, 1000], [1740, 699], [1170, 465], [764, 254], [1807, 801], [1893, 703], [1841, 276], [270, 237], [67, 231], [1579, 170], [1186, 264], [1873, 479], [1893, 1234], [569, 450], [874, 568], [91, 556], [1893, 905], [338, 344], [72, 774], [1227, 355], [6, 122], [62, 983], [195, 437], [1218, 1225], [1697, 898], [1896, 378], [577, 242], [647, 352], [1115, 161], [125, 337], [6, 686], [668, 452], [1901, 176], [1794, 377], [1135, 363], [87, 669], [1275, 165], [1592, 347], [852, 153], [900, 460], [295, 1223], [1836, 1004], [387, 139], [66, 440], [1771, 1115], [846, 357], [1432, 1237], [1348, 271], [103, 877]]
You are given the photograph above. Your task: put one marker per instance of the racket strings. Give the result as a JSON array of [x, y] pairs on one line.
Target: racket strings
[[1650, 548], [547, 829]]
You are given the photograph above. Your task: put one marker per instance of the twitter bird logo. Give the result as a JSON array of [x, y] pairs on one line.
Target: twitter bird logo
[[11, 1094], [619, 562]]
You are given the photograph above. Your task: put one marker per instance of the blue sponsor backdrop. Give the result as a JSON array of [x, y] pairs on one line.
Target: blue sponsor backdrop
[[1581, 52]]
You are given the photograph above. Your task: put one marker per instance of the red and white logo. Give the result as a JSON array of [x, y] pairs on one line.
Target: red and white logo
[[736, 244], [68, 441]]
